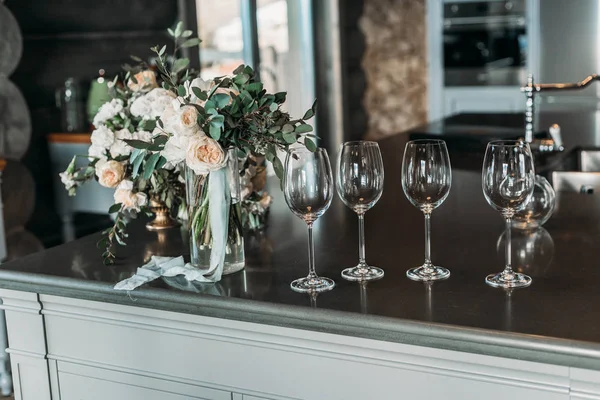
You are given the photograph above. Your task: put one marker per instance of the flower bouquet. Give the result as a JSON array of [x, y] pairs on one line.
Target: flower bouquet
[[206, 130], [200, 130]]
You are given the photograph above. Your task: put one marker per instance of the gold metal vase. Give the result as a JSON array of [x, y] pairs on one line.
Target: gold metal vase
[[162, 217]]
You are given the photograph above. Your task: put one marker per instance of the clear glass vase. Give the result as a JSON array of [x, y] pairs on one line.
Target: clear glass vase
[[214, 211], [540, 207]]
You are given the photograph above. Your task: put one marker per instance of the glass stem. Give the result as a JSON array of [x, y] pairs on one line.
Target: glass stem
[[508, 268], [361, 240], [427, 239], [311, 253]]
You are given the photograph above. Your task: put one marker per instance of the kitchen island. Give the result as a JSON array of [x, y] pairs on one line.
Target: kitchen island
[[72, 336]]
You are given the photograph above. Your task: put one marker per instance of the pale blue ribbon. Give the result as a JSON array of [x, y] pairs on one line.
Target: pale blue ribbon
[[219, 199]]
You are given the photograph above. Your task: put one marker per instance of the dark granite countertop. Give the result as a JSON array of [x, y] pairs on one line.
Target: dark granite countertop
[[556, 320]]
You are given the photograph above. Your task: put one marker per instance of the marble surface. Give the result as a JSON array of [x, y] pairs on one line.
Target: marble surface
[[556, 320], [395, 65]]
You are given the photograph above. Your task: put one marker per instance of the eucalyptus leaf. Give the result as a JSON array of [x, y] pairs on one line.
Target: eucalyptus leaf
[[308, 114], [162, 50], [186, 33], [115, 208], [239, 69], [221, 100], [191, 43], [136, 166], [303, 128], [137, 144], [287, 128], [179, 65], [241, 79], [179, 29], [215, 132], [134, 154], [289, 137], [150, 165], [310, 145], [181, 90], [254, 87], [161, 163], [278, 167], [198, 93], [209, 105]]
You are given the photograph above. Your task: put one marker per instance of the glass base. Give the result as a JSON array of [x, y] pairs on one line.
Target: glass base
[[508, 281], [312, 285], [362, 273], [231, 268], [426, 273]]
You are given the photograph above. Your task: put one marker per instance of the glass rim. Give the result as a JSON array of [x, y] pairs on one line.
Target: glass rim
[[433, 142], [507, 143], [363, 142]]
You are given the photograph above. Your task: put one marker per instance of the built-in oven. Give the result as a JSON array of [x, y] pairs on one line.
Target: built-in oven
[[485, 43]]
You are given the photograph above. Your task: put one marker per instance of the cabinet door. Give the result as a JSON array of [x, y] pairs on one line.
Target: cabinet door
[[78, 382]]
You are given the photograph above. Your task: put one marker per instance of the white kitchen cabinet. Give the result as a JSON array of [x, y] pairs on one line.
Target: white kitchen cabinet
[[86, 350]]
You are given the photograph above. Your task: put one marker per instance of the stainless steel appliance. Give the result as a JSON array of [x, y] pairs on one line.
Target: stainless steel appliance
[[485, 43]]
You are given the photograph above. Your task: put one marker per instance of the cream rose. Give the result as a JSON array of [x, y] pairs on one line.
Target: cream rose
[[110, 173], [146, 81], [173, 120], [129, 200], [188, 116], [204, 155]]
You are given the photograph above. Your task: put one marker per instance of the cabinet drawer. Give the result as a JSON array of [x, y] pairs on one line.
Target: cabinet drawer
[[79, 382]]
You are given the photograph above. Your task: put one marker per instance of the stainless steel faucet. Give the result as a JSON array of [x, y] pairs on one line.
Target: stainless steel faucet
[[554, 144]]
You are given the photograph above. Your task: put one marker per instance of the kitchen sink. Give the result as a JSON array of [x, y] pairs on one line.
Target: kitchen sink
[[586, 176]]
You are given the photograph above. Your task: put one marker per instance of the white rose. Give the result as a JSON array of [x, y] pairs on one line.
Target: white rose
[[128, 199], [175, 149], [67, 180], [110, 173], [97, 152], [102, 137], [108, 111], [144, 136], [204, 155], [200, 84], [141, 107], [159, 100], [119, 147]]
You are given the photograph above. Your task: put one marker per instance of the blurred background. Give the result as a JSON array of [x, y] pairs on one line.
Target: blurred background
[[378, 67]]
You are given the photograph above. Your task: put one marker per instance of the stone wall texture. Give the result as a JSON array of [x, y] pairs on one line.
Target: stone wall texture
[[395, 65]]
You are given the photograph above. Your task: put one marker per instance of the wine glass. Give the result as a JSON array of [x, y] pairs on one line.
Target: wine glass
[[508, 181], [360, 185], [308, 191], [426, 181]]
